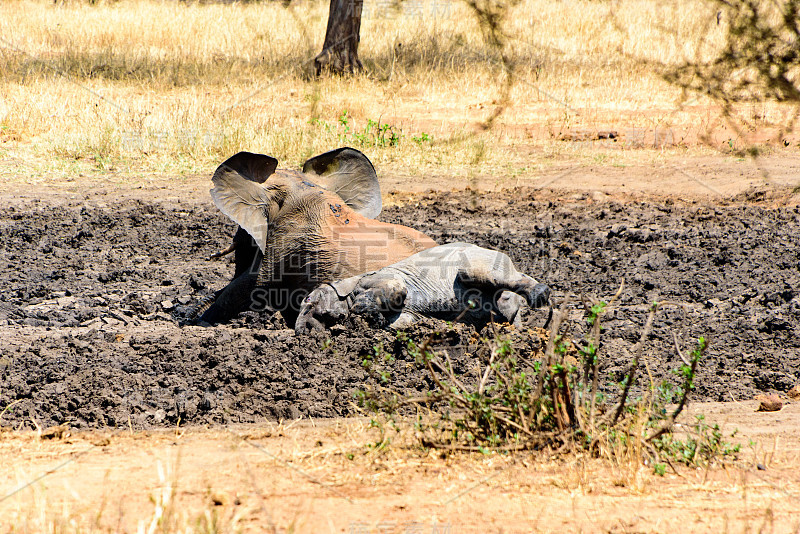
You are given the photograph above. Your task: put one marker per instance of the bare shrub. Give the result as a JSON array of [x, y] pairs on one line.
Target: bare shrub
[[759, 60], [550, 399]]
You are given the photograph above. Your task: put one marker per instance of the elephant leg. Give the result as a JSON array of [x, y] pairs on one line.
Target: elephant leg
[[505, 277], [322, 307], [509, 304], [230, 301], [381, 296], [403, 320], [379, 299]]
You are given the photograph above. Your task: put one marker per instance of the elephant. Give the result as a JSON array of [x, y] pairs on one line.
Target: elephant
[[457, 280], [298, 229]]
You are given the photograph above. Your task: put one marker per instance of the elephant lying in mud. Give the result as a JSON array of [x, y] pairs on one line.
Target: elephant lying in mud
[[438, 282], [300, 229]]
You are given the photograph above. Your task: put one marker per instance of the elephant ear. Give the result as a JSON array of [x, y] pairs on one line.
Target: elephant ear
[[350, 174], [254, 167], [238, 192]]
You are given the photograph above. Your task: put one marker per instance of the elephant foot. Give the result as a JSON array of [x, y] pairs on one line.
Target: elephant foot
[[539, 296], [387, 296]]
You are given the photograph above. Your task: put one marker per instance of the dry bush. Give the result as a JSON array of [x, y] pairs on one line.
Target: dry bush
[[550, 399]]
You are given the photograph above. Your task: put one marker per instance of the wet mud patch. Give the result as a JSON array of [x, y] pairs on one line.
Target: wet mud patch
[[90, 293]]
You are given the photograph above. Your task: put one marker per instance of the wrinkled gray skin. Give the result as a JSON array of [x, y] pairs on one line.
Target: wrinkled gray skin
[[439, 282]]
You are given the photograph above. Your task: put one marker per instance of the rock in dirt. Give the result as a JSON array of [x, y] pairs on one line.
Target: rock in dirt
[[769, 403]]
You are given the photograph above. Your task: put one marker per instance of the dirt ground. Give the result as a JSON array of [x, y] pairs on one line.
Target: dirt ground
[[93, 285], [94, 276], [318, 476]]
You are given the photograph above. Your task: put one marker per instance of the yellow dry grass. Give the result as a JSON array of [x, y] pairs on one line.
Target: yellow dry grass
[[328, 476], [153, 87]]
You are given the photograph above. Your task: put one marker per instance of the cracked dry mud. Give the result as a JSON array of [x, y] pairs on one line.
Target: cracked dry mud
[[90, 292]]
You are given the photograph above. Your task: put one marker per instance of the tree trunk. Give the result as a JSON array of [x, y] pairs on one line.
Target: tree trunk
[[340, 51]]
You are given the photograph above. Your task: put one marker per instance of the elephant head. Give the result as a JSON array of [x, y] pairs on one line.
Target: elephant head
[[248, 189]]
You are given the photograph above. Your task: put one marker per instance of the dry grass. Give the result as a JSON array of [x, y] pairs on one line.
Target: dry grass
[[142, 86], [320, 477]]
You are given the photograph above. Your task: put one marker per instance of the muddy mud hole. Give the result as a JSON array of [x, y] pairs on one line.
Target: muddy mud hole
[[90, 292]]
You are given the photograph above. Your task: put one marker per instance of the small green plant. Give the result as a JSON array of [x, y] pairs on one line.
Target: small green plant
[[344, 121], [419, 354], [702, 444], [378, 134], [360, 395], [422, 138], [375, 134], [383, 440], [595, 310], [9, 408]]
